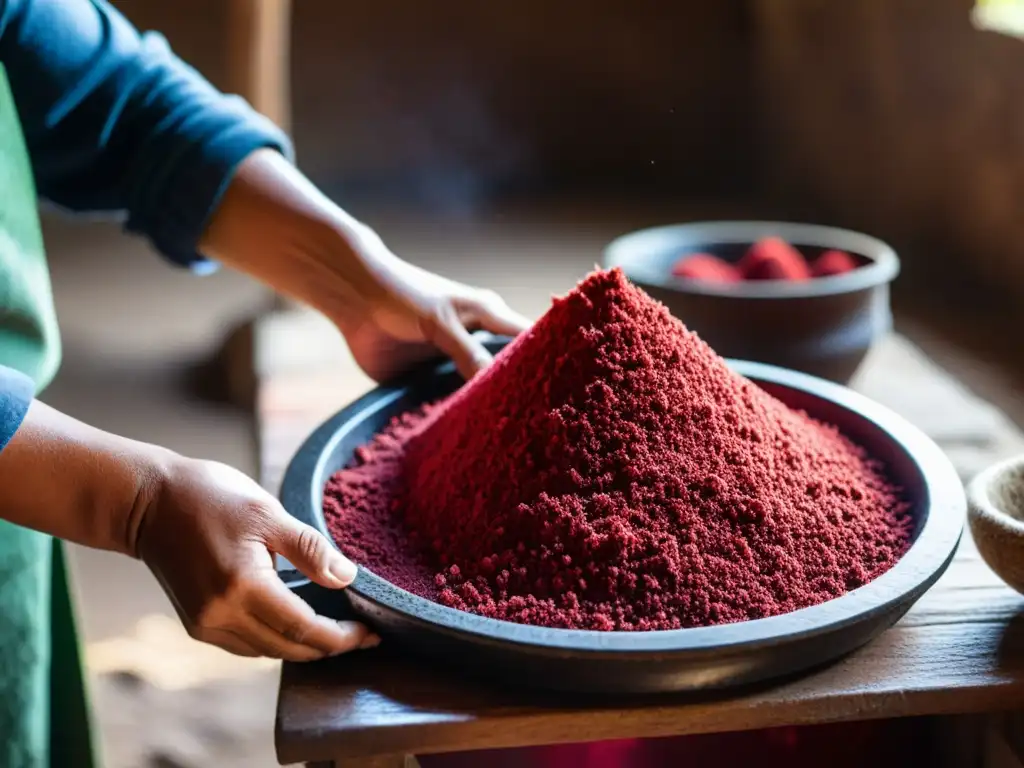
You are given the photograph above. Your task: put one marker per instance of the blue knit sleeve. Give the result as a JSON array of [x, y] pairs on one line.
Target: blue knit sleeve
[[114, 122], [16, 394]]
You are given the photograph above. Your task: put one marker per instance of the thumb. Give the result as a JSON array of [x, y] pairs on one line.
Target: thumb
[[309, 551]]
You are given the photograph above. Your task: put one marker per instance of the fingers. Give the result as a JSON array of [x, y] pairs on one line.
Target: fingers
[[279, 623], [272, 644], [310, 552], [282, 625], [445, 330], [227, 640], [253, 637], [490, 312], [262, 617]]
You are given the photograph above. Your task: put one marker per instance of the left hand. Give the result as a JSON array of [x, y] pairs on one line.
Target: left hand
[[209, 534]]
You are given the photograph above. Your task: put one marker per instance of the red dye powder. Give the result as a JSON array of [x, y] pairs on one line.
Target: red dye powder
[[833, 263], [772, 258], [704, 266], [610, 472]]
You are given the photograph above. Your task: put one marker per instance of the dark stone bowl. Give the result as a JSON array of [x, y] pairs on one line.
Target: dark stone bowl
[[823, 326], [641, 662]]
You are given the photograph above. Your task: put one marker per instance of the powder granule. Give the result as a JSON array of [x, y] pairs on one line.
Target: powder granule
[[610, 472]]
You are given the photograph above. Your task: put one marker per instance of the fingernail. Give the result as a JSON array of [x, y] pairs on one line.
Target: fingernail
[[342, 570], [370, 641]]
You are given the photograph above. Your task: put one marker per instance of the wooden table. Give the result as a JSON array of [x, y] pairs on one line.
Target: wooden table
[[959, 650]]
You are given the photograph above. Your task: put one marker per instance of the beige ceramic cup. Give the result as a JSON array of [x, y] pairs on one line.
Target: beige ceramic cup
[[995, 511]]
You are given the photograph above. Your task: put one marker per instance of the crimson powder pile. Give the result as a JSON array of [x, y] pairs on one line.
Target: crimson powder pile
[[610, 472]]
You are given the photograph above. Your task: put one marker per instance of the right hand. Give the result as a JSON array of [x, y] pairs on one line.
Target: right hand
[[405, 315], [209, 534], [274, 225]]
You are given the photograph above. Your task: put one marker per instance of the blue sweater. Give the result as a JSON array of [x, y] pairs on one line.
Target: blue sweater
[[114, 122]]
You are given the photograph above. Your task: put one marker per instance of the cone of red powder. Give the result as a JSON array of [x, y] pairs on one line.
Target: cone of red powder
[[772, 258], [707, 268], [833, 263], [610, 472]]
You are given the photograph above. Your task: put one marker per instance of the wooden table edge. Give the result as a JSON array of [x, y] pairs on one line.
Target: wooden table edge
[[468, 730], [543, 727]]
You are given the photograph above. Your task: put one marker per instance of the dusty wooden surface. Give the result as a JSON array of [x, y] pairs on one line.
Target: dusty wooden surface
[[960, 649]]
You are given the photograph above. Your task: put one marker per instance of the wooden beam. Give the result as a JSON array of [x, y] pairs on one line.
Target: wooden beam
[[259, 70], [259, 54]]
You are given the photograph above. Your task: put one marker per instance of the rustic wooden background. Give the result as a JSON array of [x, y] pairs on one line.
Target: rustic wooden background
[[460, 98], [892, 116]]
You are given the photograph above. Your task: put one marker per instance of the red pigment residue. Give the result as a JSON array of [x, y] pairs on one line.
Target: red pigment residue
[[610, 472], [704, 266], [833, 263], [770, 258]]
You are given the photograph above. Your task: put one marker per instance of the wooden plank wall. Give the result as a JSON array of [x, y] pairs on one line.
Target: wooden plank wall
[[458, 101], [892, 116], [898, 117]]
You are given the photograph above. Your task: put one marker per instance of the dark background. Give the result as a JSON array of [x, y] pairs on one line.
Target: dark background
[[897, 118]]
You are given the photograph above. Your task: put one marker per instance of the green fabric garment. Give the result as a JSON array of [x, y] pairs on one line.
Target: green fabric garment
[[43, 709]]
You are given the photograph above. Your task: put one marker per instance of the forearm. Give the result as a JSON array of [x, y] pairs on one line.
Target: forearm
[[273, 224], [65, 478], [276, 226]]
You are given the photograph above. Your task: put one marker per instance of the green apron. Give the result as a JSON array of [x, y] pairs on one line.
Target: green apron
[[43, 708]]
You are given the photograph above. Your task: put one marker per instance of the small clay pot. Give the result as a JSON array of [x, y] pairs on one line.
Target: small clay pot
[[995, 511], [824, 326]]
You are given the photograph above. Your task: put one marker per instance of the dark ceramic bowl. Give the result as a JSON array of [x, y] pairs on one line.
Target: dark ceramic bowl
[[823, 326], [634, 662]]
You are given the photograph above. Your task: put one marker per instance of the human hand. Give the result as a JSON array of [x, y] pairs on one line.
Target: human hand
[[209, 534], [276, 226], [401, 314]]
